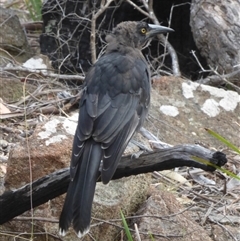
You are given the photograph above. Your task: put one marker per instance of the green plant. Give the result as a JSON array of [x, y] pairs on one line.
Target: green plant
[[227, 143], [223, 140], [126, 228], [34, 7], [215, 166]]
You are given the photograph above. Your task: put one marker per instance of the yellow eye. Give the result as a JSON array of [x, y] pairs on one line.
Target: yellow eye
[[143, 30]]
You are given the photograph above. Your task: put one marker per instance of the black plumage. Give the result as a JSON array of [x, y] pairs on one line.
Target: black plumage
[[113, 106]]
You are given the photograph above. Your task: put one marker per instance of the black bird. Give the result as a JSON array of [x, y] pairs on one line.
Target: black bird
[[113, 106]]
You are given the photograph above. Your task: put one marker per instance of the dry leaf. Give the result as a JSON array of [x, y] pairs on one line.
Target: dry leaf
[[3, 109], [176, 177]]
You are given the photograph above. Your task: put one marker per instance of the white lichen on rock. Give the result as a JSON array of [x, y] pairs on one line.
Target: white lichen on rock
[[169, 110], [220, 99]]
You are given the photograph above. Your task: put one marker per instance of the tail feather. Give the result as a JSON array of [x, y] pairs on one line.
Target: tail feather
[[67, 211], [78, 203]]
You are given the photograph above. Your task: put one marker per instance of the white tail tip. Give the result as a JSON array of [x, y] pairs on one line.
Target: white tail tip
[[81, 234], [62, 232]]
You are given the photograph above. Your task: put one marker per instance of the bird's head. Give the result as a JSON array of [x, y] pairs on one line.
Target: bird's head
[[136, 34]]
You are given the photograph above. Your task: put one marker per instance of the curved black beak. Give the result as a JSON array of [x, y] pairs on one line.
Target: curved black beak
[[157, 29]]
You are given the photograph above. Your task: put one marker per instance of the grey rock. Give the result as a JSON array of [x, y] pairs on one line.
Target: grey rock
[[13, 37]]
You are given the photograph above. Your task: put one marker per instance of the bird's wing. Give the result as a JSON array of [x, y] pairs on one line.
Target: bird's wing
[[112, 107]]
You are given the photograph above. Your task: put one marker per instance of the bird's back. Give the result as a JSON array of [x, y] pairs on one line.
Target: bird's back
[[115, 101]]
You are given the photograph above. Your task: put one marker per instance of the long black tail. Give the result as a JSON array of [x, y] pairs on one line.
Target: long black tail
[[79, 198]]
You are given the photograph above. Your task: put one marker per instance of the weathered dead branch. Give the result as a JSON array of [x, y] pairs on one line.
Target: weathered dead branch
[[55, 184]]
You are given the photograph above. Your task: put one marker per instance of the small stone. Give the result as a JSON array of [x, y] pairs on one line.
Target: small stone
[[3, 143]]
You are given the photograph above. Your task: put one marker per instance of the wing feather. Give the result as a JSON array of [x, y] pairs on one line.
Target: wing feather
[[107, 125], [113, 106], [114, 152]]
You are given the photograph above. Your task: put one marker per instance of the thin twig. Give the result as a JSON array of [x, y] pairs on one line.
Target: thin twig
[[7, 53], [175, 65], [43, 73], [103, 7], [217, 79], [196, 58], [230, 233], [207, 214], [225, 79], [166, 217], [137, 232], [132, 230], [138, 8], [42, 219]]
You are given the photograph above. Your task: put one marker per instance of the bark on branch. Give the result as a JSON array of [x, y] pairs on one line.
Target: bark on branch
[[16, 202]]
